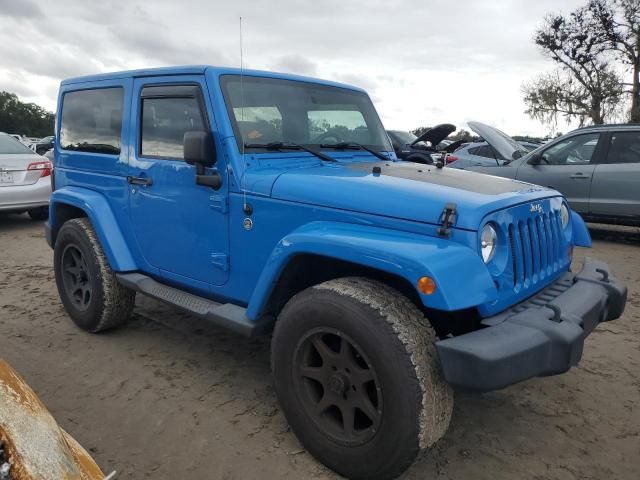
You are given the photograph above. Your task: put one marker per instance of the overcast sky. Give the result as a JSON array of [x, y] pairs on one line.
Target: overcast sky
[[423, 62]]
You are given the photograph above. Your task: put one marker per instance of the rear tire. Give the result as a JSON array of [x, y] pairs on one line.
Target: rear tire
[[39, 214], [357, 377], [87, 286]]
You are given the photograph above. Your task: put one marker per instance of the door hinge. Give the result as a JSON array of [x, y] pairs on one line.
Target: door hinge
[[220, 260], [219, 202]]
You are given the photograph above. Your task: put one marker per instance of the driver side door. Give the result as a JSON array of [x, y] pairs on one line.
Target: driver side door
[[568, 166], [180, 226]]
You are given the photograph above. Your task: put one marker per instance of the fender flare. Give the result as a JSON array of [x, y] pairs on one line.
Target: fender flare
[[404, 254], [99, 212], [581, 235]]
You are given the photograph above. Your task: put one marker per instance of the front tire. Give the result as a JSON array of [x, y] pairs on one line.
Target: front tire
[[87, 286], [357, 377]]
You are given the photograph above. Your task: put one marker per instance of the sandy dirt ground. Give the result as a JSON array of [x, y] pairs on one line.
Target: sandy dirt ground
[[172, 397]]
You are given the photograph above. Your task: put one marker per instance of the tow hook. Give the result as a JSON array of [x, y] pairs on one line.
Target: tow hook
[[557, 313], [605, 274]]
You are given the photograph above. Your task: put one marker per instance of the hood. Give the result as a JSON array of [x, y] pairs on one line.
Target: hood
[[436, 134], [453, 146], [506, 146], [405, 190]]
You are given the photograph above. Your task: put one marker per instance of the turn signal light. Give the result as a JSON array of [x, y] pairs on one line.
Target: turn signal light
[[426, 285]]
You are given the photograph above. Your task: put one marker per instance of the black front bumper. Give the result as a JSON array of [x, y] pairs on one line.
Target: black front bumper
[[541, 336]]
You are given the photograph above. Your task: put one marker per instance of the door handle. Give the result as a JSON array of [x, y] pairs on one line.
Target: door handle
[[578, 175], [139, 181]]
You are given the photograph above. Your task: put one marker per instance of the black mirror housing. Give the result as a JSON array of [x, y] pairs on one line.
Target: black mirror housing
[[534, 160], [199, 148]]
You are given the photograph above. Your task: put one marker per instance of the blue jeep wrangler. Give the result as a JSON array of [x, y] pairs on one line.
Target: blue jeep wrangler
[[266, 202]]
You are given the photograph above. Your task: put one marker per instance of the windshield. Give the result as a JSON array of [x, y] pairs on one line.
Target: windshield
[[9, 145], [273, 110], [404, 137]]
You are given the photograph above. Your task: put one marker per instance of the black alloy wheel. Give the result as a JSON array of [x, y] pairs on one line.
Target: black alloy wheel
[[338, 386], [77, 283]]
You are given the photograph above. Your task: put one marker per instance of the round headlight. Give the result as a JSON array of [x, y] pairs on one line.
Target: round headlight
[[564, 215], [488, 241]]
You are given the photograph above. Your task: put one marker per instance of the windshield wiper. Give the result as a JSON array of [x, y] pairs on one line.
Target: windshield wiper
[[289, 146], [354, 145]]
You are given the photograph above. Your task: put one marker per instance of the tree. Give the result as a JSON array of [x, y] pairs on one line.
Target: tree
[[585, 86], [420, 130], [619, 21], [462, 134], [24, 118], [561, 94]]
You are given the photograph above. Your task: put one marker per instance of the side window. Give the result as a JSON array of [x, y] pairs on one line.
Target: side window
[[576, 150], [92, 120], [165, 120], [482, 151], [624, 147]]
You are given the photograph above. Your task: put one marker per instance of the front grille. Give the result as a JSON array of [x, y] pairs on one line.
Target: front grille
[[536, 248]]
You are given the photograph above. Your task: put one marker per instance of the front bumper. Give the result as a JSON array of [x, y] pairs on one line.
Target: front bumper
[[541, 336]]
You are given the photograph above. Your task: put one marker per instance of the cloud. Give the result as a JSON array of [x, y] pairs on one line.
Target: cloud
[[422, 62], [20, 9], [295, 63]]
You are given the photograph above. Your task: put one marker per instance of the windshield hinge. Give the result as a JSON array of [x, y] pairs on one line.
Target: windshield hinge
[[219, 202], [447, 219]]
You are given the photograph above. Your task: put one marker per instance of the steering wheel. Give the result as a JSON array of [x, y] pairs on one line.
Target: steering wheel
[[323, 137], [576, 154]]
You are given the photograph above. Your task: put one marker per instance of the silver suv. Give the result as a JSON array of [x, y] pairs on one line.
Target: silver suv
[[596, 168]]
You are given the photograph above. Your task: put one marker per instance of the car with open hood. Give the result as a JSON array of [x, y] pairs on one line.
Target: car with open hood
[[428, 148], [597, 168], [272, 203], [494, 148]]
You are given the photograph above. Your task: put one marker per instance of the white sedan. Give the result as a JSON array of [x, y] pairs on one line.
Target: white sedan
[[25, 179]]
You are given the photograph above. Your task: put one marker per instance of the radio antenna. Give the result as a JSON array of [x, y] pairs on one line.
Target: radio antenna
[[244, 166]]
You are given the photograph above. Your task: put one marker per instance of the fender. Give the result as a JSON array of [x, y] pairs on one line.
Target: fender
[[581, 235], [97, 208], [407, 255]]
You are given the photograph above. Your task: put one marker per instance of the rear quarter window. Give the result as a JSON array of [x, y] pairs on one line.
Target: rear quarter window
[[624, 147], [11, 146], [91, 120]]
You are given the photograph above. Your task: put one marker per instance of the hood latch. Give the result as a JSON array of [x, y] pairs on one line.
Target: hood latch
[[448, 218]]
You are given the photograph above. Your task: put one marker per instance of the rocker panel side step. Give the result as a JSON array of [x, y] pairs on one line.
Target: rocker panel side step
[[227, 315]]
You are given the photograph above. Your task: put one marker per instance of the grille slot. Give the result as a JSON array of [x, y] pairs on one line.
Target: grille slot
[[512, 247], [536, 248]]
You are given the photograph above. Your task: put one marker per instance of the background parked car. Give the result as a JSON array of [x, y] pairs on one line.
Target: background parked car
[[481, 153], [422, 149], [25, 182], [43, 145], [529, 146], [497, 149], [597, 168]]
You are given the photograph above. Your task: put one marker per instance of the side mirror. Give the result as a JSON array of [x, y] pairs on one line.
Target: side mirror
[[199, 148], [535, 160]]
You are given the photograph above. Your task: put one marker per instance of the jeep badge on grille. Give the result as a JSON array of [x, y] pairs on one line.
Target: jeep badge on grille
[[536, 207]]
